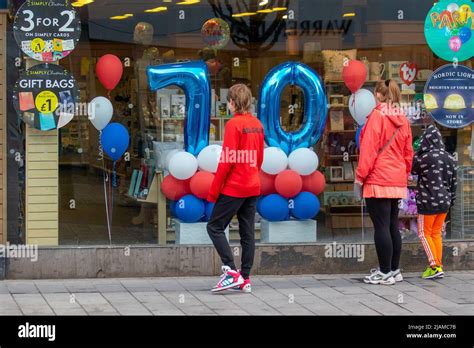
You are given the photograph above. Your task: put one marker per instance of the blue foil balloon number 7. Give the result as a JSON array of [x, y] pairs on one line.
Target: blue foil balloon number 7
[[292, 73], [193, 78]]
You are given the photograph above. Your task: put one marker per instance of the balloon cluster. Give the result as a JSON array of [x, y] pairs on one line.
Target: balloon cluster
[[457, 35], [114, 137], [362, 101], [189, 181], [289, 185]]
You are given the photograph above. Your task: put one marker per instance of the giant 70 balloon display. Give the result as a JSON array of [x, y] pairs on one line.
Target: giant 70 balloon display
[[193, 78]]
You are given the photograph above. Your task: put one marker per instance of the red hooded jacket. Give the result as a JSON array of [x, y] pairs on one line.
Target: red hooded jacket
[[392, 166], [241, 158]]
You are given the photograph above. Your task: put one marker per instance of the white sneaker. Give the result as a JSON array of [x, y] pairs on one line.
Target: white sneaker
[[397, 275], [377, 277]]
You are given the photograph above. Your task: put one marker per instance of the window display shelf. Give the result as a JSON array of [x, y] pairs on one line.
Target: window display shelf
[[342, 156], [366, 82], [343, 131], [172, 134], [334, 106]]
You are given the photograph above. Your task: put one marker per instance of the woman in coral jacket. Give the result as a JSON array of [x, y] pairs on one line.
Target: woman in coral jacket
[[386, 156]]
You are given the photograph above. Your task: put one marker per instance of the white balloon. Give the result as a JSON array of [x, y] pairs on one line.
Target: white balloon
[[303, 161], [274, 160], [101, 111], [452, 7], [361, 104], [64, 119], [169, 155], [183, 165], [208, 158]]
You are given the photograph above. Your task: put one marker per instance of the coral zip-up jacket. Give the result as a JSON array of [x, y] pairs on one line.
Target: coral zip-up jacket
[[241, 158], [393, 165]]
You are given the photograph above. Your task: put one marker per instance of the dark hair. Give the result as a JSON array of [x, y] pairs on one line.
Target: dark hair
[[388, 91], [242, 97]]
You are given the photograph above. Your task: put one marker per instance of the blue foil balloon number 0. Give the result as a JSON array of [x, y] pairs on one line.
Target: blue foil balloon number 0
[[193, 78], [315, 109]]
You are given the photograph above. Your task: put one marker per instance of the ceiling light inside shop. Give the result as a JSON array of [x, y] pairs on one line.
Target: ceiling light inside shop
[[157, 9], [279, 9], [188, 2], [244, 14], [265, 11], [125, 16], [80, 3], [349, 14], [263, 3]]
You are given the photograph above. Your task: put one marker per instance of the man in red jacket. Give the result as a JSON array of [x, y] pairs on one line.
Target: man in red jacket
[[236, 187]]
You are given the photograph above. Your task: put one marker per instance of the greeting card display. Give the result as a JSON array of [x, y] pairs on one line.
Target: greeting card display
[[448, 96], [47, 30], [45, 96]]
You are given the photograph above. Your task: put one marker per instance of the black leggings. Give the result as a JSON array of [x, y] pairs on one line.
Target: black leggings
[[226, 207], [388, 242]]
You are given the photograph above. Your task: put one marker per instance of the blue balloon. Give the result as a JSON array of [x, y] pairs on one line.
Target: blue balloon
[[465, 34], [258, 204], [189, 209], [208, 210], [173, 208], [357, 139], [274, 208], [193, 78], [315, 108], [304, 206], [115, 140]]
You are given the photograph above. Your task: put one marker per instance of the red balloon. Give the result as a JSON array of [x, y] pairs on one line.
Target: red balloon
[[109, 70], [314, 183], [267, 183], [288, 183], [200, 184], [354, 75], [173, 188]]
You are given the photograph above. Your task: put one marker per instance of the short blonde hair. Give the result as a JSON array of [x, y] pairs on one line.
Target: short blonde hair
[[242, 97]]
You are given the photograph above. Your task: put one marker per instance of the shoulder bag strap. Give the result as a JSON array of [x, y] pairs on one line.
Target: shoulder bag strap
[[389, 142]]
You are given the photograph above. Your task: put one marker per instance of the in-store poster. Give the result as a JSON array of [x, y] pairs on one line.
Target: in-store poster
[[46, 96], [448, 96], [47, 30], [449, 29]]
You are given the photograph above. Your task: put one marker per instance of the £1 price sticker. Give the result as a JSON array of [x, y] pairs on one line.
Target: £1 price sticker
[[37, 45], [46, 102]]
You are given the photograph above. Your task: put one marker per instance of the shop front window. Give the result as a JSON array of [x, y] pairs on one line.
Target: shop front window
[[67, 191]]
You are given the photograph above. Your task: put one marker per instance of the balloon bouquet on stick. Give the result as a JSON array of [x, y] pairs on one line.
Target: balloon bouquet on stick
[[113, 137], [361, 101]]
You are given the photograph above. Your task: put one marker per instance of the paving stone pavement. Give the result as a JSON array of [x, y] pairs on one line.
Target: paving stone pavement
[[271, 295]]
